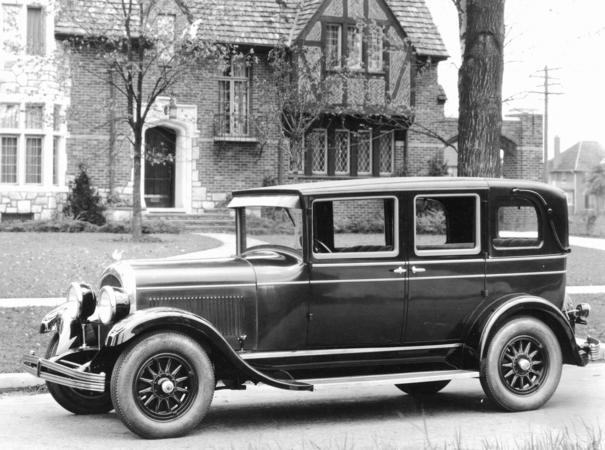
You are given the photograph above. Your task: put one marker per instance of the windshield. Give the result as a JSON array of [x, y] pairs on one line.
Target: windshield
[[273, 225]]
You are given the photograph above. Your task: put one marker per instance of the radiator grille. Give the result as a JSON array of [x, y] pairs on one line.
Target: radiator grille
[[224, 311]]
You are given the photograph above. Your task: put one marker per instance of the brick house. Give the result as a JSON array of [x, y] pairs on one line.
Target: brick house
[[570, 169], [208, 121]]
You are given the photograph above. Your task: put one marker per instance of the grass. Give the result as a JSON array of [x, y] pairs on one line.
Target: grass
[[20, 335], [43, 264], [585, 267]]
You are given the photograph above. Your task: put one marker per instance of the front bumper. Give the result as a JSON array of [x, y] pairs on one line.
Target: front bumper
[[590, 348], [64, 373]]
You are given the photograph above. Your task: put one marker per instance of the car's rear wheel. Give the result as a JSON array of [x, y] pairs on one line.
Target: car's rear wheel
[[77, 401], [162, 385], [423, 389], [522, 368]]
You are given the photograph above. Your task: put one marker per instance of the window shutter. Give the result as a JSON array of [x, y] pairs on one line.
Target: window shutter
[[35, 32]]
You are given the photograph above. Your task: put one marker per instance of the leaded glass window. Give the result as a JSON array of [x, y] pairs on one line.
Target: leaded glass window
[[364, 152], [8, 159], [333, 45], [385, 148], [354, 48], [316, 144], [375, 51], [33, 160], [233, 99], [342, 150], [34, 116], [56, 141], [9, 115]]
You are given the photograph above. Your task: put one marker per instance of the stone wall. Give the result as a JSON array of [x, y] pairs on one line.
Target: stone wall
[[41, 205]]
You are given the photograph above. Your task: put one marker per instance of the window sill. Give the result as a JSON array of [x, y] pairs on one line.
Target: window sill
[[235, 138]]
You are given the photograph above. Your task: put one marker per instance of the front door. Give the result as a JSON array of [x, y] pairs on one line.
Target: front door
[[160, 149], [357, 275]]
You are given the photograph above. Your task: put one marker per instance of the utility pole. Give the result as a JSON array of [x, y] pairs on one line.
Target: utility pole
[[548, 83]]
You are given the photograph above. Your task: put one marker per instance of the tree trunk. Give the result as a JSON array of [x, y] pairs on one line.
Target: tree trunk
[[137, 208], [480, 87]]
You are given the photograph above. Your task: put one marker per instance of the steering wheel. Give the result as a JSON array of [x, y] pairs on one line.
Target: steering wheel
[[318, 245]]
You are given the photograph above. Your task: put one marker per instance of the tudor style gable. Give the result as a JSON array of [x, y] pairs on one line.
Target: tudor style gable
[[361, 49]]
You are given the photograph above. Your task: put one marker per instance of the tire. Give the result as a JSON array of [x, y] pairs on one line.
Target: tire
[[162, 385], [77, 401], [423, 389], [522, 368]]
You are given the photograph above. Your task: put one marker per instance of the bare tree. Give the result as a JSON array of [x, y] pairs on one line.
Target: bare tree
[[480, 86], [146, 52]]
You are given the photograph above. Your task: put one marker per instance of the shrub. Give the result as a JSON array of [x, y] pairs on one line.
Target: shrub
[[67, 225], [84, 202]]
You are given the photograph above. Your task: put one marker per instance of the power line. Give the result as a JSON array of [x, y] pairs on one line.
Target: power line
[[549, 82]]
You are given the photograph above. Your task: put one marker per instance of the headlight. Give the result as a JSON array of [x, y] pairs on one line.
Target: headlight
[[113, 304], [83, 295]]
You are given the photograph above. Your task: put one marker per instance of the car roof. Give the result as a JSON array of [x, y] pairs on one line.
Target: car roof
[[391, 184]]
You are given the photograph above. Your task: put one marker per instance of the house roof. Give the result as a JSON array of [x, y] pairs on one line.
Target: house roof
[[256, 22], [581, 157]]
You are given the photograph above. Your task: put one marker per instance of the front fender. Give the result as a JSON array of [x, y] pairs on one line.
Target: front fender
[[489, 320], [150, 319]]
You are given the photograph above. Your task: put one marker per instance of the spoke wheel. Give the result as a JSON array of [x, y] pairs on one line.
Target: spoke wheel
[[165, 386], [522, 367], [162, 385]]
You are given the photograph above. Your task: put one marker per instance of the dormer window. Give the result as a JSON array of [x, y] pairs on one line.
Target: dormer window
[[354, 48]]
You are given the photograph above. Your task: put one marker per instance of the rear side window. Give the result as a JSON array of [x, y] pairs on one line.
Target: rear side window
[[517, 226], [446, 224], [355, 227]]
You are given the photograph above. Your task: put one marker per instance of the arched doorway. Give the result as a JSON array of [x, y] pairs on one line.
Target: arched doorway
[[160, 173]]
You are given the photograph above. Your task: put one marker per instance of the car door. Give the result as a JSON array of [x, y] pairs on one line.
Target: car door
[[446, 264], [357, 274]]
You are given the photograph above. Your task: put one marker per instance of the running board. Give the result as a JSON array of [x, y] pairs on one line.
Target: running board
[[394, 378]]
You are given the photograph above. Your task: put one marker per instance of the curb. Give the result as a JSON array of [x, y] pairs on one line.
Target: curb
[[18, 381]]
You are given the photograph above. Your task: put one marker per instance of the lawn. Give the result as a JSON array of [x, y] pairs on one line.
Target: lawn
[[43, 264]]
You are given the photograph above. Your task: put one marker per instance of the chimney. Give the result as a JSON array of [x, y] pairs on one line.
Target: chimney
[[557, 147]]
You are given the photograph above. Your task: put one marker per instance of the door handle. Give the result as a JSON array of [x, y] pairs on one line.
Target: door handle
[[399, 270], [418, 269]]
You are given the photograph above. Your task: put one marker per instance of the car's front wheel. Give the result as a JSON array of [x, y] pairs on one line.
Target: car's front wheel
[[522, 368], [423, 389], [77, 401], [162, 385]]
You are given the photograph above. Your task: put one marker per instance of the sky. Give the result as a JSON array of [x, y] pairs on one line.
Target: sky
[[565, 35]]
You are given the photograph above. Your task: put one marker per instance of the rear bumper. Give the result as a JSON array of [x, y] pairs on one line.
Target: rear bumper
[[589, 349], [58, 373]]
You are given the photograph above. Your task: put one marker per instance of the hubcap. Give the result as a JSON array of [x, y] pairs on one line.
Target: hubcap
[[523, 365], [165, 386]]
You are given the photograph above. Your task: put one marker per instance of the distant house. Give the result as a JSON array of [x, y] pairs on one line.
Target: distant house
[[570, 169]]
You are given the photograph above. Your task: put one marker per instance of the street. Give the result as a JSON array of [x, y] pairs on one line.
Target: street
[[335, 418]]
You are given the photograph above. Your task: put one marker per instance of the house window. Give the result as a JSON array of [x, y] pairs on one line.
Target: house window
[[35, 31], [375, 51], [333, 45], [9, 115], [233, 99], [342, 152], [33, 160], [34, 116], [354, 48], [166, 32], [56, 142], [316, 145], [8, 159], [385, 149], [364, 152]]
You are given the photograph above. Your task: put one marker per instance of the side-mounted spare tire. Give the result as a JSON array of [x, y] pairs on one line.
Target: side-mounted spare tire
[[162, 385], [522, 367]]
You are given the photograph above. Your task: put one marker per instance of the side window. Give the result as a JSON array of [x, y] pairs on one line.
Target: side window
[[446, 224], [517, 226], [355, 227]]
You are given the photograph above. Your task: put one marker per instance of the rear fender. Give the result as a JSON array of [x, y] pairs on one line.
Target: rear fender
[[489, 321], [154, 319]]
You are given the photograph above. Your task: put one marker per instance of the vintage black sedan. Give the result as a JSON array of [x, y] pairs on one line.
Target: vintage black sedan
[[409, 281]]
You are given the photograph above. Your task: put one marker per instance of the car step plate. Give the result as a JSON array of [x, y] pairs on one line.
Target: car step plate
[[395, 378]]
